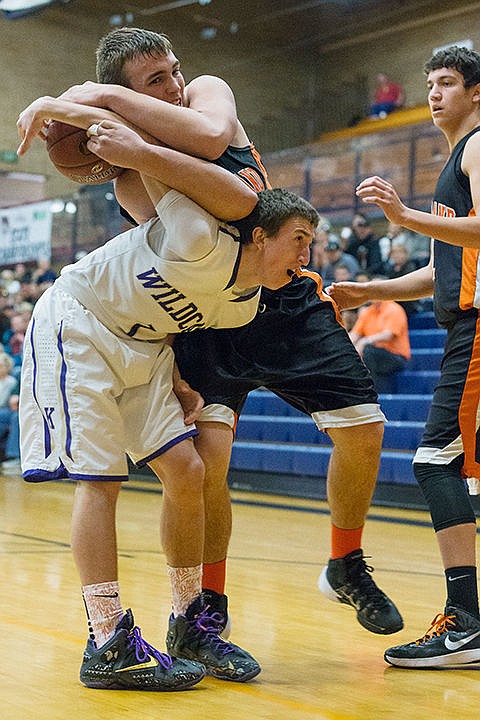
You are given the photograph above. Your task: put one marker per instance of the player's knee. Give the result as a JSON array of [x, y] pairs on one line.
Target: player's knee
[[446, 494], [188, 477]]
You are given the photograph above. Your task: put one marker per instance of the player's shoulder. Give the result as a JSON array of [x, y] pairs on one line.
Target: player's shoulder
[[210, 83], [471, 153]]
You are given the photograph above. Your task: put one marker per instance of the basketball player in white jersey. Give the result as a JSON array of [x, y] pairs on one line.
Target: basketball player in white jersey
[[97, 383]]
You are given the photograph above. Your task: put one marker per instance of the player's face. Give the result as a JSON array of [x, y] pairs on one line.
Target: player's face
[[286, 252], [449, 100], [158, 76]]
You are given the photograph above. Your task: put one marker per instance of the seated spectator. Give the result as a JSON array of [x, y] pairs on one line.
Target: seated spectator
[[14, 337], [417, 245], [44, 275], [335, 257], [349, 318], [317, 252], [342, 273], [388, 97], [380, 335], [400, 263], [9, 427], [364, 245]]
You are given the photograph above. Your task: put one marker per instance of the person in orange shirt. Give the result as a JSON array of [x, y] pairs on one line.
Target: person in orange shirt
[[380, 335]]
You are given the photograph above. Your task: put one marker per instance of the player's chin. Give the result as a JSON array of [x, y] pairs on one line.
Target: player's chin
[[277, 283]]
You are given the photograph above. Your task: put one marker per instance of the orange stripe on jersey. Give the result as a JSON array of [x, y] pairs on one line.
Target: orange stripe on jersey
[[467, 414], [322, 295], [258, 160], [468, 286]]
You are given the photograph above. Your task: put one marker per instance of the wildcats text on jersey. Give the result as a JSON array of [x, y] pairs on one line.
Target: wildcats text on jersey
[[186, 315]]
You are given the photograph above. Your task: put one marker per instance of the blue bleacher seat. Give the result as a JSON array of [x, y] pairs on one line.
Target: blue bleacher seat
[[427, 338]]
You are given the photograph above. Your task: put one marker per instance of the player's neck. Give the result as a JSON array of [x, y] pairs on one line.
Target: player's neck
[[454, 134]]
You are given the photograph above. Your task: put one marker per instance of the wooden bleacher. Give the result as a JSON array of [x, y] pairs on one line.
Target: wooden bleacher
[[404, 147]]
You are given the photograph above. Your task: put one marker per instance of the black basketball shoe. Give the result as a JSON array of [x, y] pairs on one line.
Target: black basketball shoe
[[452, 639], [195, 636], [128, 662], [348, 580]]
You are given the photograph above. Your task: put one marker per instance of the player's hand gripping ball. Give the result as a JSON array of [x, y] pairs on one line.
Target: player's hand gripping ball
[[67, 148]]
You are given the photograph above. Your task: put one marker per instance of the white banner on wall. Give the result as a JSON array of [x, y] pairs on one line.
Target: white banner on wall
[[25, 233]]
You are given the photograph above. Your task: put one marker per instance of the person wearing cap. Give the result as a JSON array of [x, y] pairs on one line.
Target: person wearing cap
[[336, 256]]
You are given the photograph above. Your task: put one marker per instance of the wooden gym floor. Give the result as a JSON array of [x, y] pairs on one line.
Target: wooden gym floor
[[318, 662]]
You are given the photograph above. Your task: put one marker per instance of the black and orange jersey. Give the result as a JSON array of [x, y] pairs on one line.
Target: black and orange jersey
[[457, 276], [247, 164], [242, 161]]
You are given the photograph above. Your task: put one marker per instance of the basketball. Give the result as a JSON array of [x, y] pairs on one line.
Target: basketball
[[67, 149]]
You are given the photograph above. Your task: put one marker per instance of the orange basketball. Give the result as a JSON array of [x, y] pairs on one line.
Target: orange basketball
[[67, 148]]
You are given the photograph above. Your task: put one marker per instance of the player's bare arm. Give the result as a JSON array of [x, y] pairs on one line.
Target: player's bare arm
[[414, 285], [461, 231], [220, 192], [33, 120], [204, 124]]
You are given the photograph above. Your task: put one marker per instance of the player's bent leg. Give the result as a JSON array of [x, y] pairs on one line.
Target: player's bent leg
[[352, 472], [93, 535], [351, 481], [181, 472], [214, 445], [116, 655]]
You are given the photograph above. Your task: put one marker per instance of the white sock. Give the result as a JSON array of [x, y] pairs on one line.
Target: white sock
[[104, 610], [186, 585]]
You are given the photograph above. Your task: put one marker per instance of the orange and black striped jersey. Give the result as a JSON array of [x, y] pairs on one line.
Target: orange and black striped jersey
[[247, 164], [457, 272]]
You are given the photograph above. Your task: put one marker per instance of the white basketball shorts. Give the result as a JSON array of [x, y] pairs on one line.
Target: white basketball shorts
[[88, 397]]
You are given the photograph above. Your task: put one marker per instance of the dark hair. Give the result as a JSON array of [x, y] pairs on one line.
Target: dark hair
[[123, 44], [465, 61], [273, 209]]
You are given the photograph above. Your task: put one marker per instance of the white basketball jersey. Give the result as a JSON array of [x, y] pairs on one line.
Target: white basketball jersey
[[174, 274]]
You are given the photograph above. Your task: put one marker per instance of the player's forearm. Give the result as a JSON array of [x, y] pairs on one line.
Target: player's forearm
[[460, 231], [81, 116], [182, 128], [414, 285], [220, 192]]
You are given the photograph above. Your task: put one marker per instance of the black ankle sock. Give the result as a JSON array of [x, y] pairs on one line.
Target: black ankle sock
[[462, 589]]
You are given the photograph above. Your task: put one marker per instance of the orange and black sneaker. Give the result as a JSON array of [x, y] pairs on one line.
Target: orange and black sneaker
[[453, 638]]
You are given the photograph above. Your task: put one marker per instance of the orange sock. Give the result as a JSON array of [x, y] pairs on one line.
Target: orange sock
[[345, 541], [213, 577]]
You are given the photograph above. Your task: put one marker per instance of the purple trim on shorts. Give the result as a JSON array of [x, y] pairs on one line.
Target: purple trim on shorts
[[47, 438], [172, 443], [63, 376], [61, 473]]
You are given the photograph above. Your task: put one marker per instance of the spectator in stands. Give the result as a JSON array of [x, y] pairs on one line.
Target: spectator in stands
[[400, 263], [9, 427], [22, 273], [318, 258], [365, 246], [342, 273], [335, 257], [388, 96], [380, 335], [349, 318], [418, 245], [14, 337], [44, 275]]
